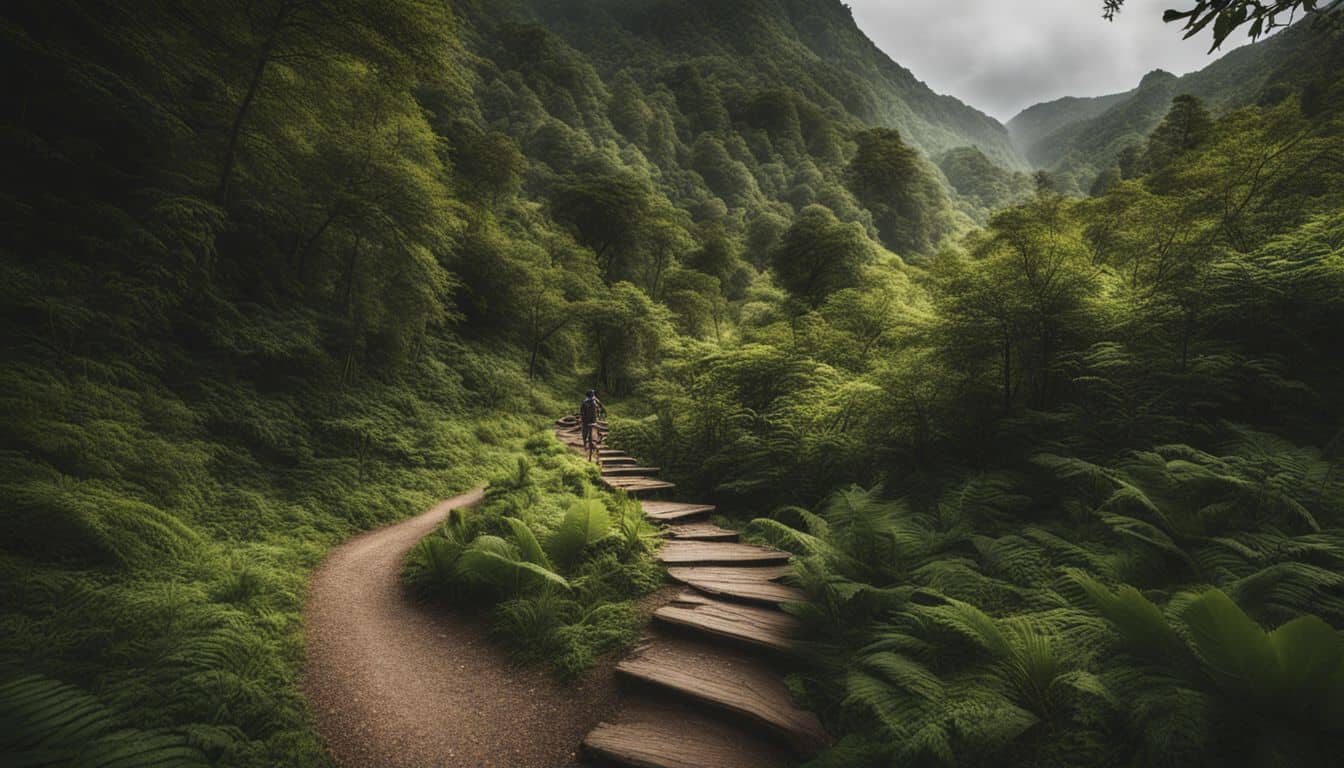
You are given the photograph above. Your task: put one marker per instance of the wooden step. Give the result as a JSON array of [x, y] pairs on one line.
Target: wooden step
[[629, 471], [637, 484], [661, 734], [764, 627], [718, 553], [619, 461], [577, 431], [755, 585], [670, 511], [699, 530], [732, 680]]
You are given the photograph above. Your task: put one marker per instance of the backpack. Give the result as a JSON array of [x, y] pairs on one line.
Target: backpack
[[588, 411]]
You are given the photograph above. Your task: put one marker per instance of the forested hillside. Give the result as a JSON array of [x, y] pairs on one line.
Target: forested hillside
[[1094, 452], [1040, 120], [1077, 140], [1059, 473]]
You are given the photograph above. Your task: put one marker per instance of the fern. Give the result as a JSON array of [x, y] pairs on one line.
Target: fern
[[48, 723], [776, 534], [493, 562], [1142, 624], [528, 547], [586, 522]]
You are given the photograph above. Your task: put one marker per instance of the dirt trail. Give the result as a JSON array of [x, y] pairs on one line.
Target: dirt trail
[[394, 683]]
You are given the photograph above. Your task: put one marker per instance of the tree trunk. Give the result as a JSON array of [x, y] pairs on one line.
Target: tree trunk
[[301, 248], [236, 130], [1007, 375], [348, 292]]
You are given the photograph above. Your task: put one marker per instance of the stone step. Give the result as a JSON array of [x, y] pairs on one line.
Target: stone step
[[637, 485]]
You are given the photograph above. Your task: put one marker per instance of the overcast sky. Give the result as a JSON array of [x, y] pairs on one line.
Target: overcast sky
[[1001, 56]]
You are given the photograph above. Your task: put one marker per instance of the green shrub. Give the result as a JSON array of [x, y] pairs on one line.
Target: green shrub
[[559, 561]]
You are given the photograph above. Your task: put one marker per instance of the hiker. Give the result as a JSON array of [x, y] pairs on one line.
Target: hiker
[[588, 411]]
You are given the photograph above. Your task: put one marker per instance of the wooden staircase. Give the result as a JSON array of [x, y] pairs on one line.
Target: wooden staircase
[[705, 690]]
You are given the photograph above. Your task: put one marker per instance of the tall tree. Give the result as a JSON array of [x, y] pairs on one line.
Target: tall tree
[[1186, 126], [606, 210], [891, 180], [398, 38], [819, 255]]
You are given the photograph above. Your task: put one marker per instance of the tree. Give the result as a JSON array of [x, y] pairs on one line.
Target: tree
[[1105, 180], [555, 282], [626, 328], [819, 255], [726, 177], [891, 180], [1227, 15], [1025, 294], [489, 164], [663, 241], [717, 256], [605, 209], [1130, 161], [399, 38], [1186, 126]]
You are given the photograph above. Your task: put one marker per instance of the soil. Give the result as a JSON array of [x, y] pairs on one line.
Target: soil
[[396, 683]]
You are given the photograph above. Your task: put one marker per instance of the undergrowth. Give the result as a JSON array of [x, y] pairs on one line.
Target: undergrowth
[[555, 561], [159, 542]]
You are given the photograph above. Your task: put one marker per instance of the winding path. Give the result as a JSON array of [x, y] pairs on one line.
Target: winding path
[[394, 683]]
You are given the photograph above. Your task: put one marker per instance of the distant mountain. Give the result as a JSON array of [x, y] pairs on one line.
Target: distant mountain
[[811, 46], [1036, 122], [1077, 138]]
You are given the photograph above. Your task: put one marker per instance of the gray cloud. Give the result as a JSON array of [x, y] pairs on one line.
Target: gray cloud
[[1002, 56]]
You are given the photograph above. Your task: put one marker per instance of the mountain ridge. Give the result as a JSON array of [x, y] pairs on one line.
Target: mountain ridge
[[834, 62], [1076, 138]]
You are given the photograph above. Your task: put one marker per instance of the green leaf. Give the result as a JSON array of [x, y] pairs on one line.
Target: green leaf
[[1309, 652], [528, 546], [1234, 649], [586, 522]]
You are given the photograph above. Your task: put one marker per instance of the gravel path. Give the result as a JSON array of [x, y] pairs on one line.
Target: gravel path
[[394, 683]]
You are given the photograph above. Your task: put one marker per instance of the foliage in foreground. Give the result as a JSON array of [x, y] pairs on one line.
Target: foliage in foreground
[[558, 563], [1118, 622]]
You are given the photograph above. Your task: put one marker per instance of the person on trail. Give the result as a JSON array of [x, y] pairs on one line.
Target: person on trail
[[588, 411]]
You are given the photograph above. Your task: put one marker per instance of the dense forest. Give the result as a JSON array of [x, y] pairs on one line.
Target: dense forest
[[1050, 418]]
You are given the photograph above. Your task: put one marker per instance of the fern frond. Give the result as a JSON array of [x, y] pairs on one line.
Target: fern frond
[[781, 536], [528, 546], [585, 523], [50, 723]]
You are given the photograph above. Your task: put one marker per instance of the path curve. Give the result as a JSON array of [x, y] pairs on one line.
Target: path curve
[[394, 683]]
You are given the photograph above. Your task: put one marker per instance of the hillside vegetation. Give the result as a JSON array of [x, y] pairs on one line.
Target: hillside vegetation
[[1078, 140], [1060, 473]]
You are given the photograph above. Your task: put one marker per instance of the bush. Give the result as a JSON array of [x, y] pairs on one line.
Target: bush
[[557, 562]]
